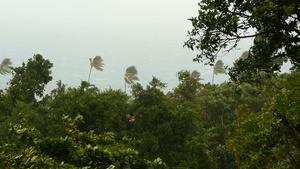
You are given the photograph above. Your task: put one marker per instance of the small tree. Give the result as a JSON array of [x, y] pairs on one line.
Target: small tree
[[30, 79], [97, 63], [131, 75], [5, 66], [188, 86]]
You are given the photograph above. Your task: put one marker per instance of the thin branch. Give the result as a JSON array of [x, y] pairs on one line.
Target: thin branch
[[237, 37], [237, 157], [292, 159], [280, 159], [267, 100], [291, 124], [223, 123], [244, 15]]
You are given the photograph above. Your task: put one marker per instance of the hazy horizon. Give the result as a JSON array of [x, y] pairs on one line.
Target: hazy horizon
[[147, 34]]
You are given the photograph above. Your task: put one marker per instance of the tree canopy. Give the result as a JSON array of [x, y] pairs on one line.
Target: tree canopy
[[221, 25], [30, 79], [228, 125]]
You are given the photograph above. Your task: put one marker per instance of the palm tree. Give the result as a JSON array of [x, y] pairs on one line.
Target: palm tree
[[244, 55], [195, 74], [218, 69], [97, 63], [130, 76], [5, 66]]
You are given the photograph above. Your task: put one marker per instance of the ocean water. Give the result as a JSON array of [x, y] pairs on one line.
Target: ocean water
[[149, 36], [158, 56]]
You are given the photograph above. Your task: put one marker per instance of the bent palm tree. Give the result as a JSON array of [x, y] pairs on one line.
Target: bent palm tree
[[97, 63], [5, 66], [130, 76], [195, 74], [218, 69]]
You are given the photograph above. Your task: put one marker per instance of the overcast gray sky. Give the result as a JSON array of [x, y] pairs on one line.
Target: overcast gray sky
[[107, 15], [67, 32], [148, 34]]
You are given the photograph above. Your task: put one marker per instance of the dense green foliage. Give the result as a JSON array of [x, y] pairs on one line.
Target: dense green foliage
[[75, 150], [237, 124], [195, 126], [222, 24], [270, 137], [30, 79], [258, 120]]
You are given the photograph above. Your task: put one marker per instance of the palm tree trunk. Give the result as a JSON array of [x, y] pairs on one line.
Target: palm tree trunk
[[125, 86], [213, 78], [90, 73]]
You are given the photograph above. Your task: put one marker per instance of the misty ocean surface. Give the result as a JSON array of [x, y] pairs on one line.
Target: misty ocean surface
[[153, 56], [148, 35]]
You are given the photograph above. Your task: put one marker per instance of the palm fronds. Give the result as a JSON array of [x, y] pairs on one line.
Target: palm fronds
[[218, 69], [5, 67], [97, 63], [131, 75], [244, 55], [195, 74]]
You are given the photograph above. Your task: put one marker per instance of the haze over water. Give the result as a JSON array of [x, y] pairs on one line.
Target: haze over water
[[147, 34]]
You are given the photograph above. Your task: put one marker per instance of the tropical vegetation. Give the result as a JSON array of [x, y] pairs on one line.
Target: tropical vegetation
[[230, 125], [252, 121], [96, 63]]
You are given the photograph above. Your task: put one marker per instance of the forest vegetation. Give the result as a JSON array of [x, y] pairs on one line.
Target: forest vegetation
[[252, 121]]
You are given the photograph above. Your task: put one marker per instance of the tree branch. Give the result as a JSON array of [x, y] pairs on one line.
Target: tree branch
[[291, 124], [280, 159], [292, 159]]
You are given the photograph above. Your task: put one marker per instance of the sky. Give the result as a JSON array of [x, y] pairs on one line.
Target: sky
[[140, 16], [147, 34]]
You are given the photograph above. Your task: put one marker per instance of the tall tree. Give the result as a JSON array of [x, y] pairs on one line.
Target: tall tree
[[218, 69], [131, 75], [30, 79], [97, 63], [188, 87], [221, 25], [269, 137], [5, 66]]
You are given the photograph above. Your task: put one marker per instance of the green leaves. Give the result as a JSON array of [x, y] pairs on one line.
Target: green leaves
[[270, 133], [30, 79], [230, 125], [221, 25], [77, 149], [188, 86]]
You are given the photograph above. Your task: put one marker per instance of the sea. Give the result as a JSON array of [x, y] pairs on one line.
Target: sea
[[148, 35]]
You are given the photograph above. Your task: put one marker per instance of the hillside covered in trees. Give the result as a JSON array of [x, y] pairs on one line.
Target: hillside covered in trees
[[251, 121], [195, 126]]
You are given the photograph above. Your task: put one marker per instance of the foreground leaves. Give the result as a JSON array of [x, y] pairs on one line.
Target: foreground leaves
[[76, 150]]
